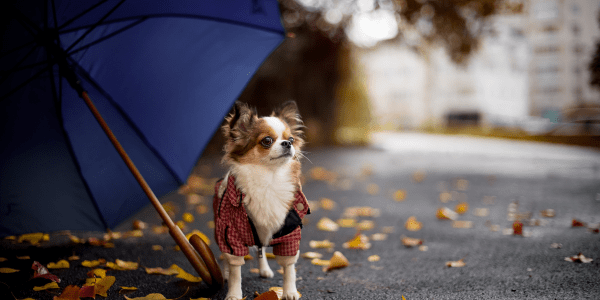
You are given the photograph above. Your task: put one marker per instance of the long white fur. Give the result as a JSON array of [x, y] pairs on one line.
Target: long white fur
[[269, 190]]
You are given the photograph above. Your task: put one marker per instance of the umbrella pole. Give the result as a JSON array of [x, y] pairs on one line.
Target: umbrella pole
[[188, 250]]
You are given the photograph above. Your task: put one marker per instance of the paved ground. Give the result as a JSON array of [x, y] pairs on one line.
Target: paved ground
[[488, 174]]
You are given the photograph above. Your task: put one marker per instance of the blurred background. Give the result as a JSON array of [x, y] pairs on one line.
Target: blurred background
[[511, 69]]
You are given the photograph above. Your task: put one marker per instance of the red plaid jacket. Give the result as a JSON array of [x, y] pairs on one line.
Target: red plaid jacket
[[234, 231]]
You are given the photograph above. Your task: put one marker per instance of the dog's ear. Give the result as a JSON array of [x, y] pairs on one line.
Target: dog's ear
[[288, 112], [239, 122]]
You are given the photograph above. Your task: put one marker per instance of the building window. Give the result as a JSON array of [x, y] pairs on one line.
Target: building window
[[550, 49]]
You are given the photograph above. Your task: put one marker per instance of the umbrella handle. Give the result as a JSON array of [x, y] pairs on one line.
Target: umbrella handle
[[200, 259]]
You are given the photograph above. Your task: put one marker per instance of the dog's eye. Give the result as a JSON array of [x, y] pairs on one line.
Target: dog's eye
[[291, 139], [267, 142]]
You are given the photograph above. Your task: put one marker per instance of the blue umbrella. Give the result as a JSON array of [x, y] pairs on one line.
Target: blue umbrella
[[162, 74]]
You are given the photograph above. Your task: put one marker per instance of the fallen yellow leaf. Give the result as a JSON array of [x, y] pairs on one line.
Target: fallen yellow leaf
[[400, 195], [462, 208], [3, 259], [8, 270], [187, 217], [185, 275], [338, 260], [327, 204], [103, 285], [157, 247], [73, 257], [121, 265], [373, 258], [445, 213], [61, 264], [378, 237], [360, 241], [365, 225], [33, 238], [51, 285], [311, 255], [97, 273], [154, 296], [200, 234], [23, 257], [462, 224], [161, 271], [201, 209], [319, 262], [412, 224], [69, 293], [327, 224], [129, 288], [346, 223], [90, 264], [321, 244]]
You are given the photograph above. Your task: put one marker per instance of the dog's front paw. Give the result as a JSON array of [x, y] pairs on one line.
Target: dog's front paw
[[266, 273], [233, 297], [291, 295]]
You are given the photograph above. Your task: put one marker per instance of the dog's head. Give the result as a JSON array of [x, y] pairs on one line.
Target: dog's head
[[272, 140]]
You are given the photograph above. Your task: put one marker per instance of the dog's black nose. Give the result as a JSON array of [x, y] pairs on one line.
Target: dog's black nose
[[286, 144]]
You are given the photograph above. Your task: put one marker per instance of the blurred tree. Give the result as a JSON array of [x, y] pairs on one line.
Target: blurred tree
[[314, 66]]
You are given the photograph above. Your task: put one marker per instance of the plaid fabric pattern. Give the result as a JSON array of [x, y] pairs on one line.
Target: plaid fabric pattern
[[232, 227]]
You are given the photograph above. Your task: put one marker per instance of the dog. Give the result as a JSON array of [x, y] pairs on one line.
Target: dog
[[260, 202]]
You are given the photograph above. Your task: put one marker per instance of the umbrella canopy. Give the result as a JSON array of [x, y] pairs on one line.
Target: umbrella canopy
[[162, 74]]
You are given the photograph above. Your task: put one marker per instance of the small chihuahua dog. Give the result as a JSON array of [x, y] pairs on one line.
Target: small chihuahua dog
[[260, 202]]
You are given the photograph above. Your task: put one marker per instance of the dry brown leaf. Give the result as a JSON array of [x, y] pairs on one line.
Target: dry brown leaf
[[577, 223], [160, 229], [71, 292], [419, 176], [517, 228], [579, 258], [25, 257], [411, 242], [61, 264], [456, 264], [412, 224], [548, 213], [327, 224], [338, 260], [201, 209], [270, 295], [157, 247], [360, 242], [51, 285]]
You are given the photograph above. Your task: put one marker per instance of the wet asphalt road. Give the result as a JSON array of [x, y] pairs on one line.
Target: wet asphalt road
[[487, 174]]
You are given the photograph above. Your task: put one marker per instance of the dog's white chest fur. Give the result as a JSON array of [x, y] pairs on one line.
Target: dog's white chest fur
[[269, 193]]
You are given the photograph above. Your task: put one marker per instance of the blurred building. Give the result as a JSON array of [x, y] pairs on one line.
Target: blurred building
[[527, 72], [562, 35]]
